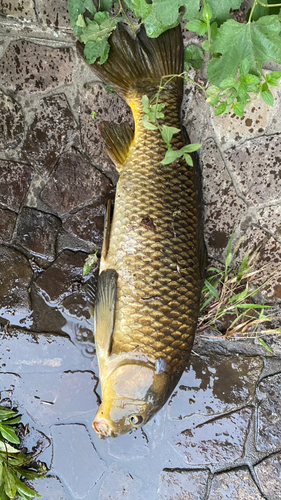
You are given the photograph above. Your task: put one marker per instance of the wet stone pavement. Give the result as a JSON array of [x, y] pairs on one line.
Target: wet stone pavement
[[219, 435]]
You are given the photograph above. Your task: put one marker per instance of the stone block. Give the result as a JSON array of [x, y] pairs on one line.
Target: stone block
[[11, 122], [75, 459], [14, 286], [256, 165], [88, 223], [15, 179], [54, 397], [25, 353], [108, 107], [269, 475], [269, 414], [27, 67], [18, 8], [182, 485], [52, 128], [218, 442], [63, 277], [234, 485], [53, 13], [86, 182], [7, 224], [118, 484], [213, 385], [37, 233], [224, 209]]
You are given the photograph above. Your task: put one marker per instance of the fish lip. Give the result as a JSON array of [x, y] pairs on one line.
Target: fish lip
[[102, 428]]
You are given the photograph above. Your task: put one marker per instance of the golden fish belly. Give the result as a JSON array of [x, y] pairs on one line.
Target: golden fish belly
[[155, 249]]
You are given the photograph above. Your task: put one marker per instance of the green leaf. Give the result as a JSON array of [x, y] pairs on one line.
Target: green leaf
[[168, 132], [229, 82], [29, 474], [188, 159], [76, 9], [238, 108], [211, 289], [258, 42], [164, 14], [197, 26], [206, 45], [267, 95], [212, 91], [207, 13], [264, 344], [221, 9], [171, 156], [6, 447], [9, 434], [273, 77], [23, 489], [90, 261], [244, 67], [145, 102], [194, 56], [221, 108], [189, 148], [147, 124], [10, 486], [3, 495], [6, 413], [13, 421], [93, 114]]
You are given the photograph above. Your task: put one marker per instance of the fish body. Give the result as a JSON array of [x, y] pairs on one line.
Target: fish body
[[153, 252]]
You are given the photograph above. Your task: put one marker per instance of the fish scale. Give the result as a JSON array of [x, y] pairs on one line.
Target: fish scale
[[159, 270]]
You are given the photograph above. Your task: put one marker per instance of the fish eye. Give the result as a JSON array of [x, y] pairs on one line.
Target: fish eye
[[136, 419]]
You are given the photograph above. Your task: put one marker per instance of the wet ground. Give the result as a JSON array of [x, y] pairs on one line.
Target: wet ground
[[219, 436]]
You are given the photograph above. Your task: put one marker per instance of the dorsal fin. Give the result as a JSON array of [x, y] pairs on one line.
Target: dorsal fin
[[118, 139]]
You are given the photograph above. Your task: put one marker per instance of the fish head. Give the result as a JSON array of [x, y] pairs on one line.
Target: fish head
[[132, 394]]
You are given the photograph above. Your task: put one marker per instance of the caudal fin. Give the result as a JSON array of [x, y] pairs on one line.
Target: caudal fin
[[134, 64]]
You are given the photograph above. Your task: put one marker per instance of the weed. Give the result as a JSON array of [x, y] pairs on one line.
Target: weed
[[15, 465], [228, 304]]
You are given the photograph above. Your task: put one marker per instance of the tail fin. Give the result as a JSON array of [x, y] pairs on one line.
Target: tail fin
[[135, 63]]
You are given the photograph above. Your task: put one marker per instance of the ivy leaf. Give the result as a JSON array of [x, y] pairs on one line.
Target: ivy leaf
[[95, 37], [257, 42], [164, 14], [221, 10], [76, 9], [194, 56]]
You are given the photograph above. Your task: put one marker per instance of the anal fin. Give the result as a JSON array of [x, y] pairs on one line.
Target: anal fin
[[118, 139], [105, 310]]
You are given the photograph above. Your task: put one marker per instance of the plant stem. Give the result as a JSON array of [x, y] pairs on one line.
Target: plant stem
[[208, 27], [252, 11], [126, 17]]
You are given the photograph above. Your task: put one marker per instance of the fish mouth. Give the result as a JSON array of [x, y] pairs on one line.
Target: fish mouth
[[102, 428]]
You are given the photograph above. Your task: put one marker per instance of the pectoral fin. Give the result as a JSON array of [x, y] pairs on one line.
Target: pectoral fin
[[118, 139], [105, 310]]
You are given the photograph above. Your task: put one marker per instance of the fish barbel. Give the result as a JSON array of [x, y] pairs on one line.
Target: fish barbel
[[152, 262]]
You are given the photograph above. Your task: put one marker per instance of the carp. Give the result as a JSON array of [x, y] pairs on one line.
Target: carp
[[153, 255]]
